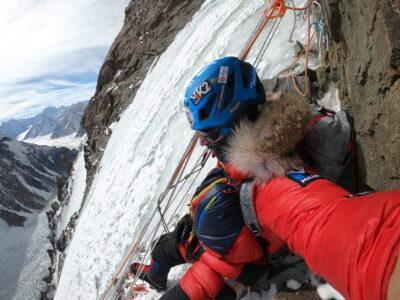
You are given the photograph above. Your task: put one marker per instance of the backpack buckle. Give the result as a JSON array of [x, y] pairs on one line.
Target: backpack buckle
[[255, 230]]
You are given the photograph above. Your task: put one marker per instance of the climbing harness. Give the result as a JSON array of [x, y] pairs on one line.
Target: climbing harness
[[118, 278], [196, 170]]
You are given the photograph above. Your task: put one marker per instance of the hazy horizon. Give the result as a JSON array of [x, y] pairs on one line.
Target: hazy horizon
[[52, 51]]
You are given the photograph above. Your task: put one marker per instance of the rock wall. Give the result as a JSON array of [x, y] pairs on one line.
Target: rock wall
[[365, 59], [149, 27]]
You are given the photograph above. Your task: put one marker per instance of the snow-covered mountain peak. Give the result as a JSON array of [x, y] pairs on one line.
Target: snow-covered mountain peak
[[53, 127]]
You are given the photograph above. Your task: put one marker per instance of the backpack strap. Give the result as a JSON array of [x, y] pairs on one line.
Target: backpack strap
[[249, 212]]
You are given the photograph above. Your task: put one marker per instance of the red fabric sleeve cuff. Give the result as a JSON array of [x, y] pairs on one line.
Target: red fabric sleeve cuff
[[201, 282]]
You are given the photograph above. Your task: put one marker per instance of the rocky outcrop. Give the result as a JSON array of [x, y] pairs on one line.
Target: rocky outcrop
[[58, 241], [365, 58], [57, 251], [149, 28]]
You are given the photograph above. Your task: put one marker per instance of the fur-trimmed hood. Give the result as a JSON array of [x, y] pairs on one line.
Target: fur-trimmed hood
[[266, 148]]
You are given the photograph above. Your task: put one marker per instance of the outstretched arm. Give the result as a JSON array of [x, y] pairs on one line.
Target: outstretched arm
[[352, 241]]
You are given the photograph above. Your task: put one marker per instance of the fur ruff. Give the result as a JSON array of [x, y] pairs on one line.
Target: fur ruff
[[266, 148]]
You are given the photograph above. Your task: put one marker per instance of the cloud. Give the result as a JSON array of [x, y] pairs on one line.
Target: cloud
[[52, 50], [32, 98]]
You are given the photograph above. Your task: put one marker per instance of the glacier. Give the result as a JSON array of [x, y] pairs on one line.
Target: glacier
[[150, 138]]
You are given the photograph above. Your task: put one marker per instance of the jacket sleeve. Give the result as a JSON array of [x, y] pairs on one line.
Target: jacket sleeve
[[351, 241], [205, 278], [203, 281]]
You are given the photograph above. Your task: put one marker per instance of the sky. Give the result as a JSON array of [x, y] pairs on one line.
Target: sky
[[51, 51]]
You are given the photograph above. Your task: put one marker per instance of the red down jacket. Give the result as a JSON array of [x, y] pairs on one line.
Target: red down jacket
[[206, 277], [352, 241], [228, 244]]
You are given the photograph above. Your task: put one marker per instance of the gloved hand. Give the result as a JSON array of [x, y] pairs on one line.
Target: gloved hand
[[182, 229]]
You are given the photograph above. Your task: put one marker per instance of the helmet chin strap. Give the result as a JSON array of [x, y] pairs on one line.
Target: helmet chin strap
[[218, 150]]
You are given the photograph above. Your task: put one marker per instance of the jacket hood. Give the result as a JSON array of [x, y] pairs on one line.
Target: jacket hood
[[266, 147]]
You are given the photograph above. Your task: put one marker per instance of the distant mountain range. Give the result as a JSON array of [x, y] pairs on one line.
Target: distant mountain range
[[52, 122]]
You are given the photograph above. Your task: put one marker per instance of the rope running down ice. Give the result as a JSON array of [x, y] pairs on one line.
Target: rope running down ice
[[152, 236], [172, 184]]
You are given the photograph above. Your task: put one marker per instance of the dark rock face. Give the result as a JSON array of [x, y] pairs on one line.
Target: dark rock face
[[366, 54], [11, 218], [59, 241], [58, 122], [149, 28], [66, 235], [28, 177]]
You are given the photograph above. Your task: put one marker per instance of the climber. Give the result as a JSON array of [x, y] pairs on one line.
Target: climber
[[215, 239], [351, 240]]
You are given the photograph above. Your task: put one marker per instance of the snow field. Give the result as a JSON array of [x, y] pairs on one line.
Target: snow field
[[69, 141], [23, 258], [76, 191]]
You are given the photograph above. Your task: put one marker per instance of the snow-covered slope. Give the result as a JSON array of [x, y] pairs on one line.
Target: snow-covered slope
[[150, 138], [76, 190], [28, 183], [69, 141], [23, 257], [34, 260]]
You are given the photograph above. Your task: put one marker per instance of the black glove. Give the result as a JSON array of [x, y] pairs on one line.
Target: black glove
[[182, 229], [176, 293]]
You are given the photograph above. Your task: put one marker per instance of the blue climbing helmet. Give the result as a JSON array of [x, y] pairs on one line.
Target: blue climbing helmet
[[220, 94]]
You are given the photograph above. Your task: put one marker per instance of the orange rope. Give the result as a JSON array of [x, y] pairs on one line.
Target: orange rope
[[277, 9], [297, 58], [186, 156]]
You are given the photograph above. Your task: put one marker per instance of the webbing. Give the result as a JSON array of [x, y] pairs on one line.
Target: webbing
[[248, 208], [205, 191]]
